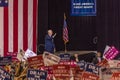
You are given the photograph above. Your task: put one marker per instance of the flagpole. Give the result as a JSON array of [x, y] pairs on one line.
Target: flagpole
[[65, 33], [65, 48]]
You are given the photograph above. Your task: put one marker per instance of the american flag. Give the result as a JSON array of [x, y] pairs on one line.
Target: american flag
[[18, 24], [65, 31]]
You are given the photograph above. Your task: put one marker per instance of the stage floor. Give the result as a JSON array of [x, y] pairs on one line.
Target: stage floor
[[75, 52]]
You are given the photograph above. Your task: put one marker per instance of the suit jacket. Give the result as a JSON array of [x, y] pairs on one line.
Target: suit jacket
[[49, 44]]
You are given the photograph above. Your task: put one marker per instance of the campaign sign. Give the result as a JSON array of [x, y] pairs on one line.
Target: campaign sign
[[106, 49], [82, 65], [111, 53], [4, 75], [78, 74], [13, 55], [114, 63], [92, 68], [89, 76], [70, 63], [49, 70], [61, 71], [50, 59], [83, 7], [29, 53], [36, 75], [103, 63], [116, 76], [5, 60], [65, 57], [36, 61]]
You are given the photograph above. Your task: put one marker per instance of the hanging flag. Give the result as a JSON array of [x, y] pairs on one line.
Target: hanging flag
[[18, 23], [65, 31]]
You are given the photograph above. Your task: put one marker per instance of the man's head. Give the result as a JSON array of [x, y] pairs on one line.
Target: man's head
[[98, 54], [50, 32], [76, 55]]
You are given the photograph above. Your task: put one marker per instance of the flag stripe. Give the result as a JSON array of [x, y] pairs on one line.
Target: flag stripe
[[30, 25], [34, 24], [25, 24], [18, 22], [15, 26], [65, 31], [10, 14], [20, 25], [1, 31], [5, 30]]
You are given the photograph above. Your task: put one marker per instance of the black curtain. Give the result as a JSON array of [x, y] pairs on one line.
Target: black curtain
[[108, 23], [82, 29], [42, 24], [105, 26]]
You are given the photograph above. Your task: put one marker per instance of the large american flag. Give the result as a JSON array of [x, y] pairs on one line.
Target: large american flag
[[65, 31], [18, 23]]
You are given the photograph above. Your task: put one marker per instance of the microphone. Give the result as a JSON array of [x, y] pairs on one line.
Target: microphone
[[54, 35]]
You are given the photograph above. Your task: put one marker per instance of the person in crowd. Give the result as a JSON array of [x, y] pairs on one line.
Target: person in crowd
[[87, 57], [97, 58], [75, 57], [49, 42]]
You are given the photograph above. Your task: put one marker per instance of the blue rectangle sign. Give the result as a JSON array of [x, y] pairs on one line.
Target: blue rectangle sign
[[5, 60], [92, 68], [83, 7], [65, 57], [36, 75]]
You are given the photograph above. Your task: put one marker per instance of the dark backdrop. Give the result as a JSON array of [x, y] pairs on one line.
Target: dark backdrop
[[108, 23], [82, 29]]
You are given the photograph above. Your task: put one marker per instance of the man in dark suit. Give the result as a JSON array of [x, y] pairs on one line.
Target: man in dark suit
[[49, 42]]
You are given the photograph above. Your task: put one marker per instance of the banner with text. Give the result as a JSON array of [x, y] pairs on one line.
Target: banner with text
[[5, 60], [65, 57], [61, 72], [36, 61], [92, 68], [36, 75], [116, 76], [89, 76], [83, 7]]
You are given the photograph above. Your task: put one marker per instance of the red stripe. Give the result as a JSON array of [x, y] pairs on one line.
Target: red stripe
[[15, 26], [25, 24], [34, 24], [5, 30], [65, 34]]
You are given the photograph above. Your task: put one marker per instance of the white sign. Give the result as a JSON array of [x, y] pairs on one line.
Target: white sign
[[106, 49], [28, 54], [50, 59]]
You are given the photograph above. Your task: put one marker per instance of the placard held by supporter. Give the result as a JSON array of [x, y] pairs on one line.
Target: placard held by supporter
[[50, 59], [33, 74], [89, 76], [36, 61], [61, 72], [111, 53], [92, 68], [28, 54]]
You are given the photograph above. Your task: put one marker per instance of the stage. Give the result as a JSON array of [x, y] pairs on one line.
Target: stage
[[75, 52]]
